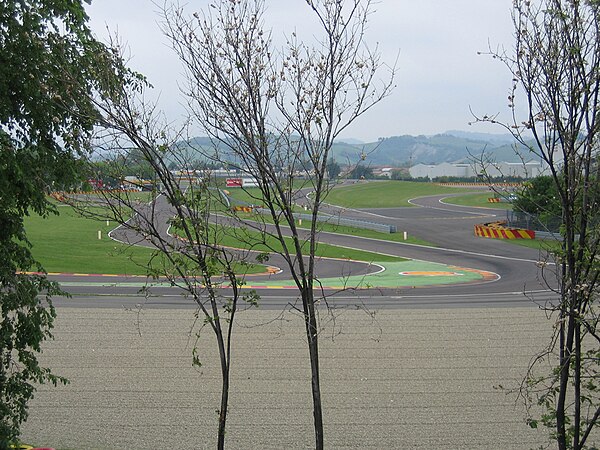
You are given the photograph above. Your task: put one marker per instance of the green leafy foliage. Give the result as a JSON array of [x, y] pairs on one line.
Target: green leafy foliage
[[361, 172], [251, 298], [49, 64], [333, 169], [25, 324], [539, 196], [555, 65]]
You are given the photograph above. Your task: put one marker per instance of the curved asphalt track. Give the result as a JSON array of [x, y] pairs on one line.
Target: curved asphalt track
[[399, 379], [447, 226]]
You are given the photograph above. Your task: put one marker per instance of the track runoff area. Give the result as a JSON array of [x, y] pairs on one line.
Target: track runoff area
[[405, 274]]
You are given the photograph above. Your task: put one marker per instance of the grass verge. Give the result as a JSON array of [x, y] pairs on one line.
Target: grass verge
[[69, 243], [384, 194], [247, 239], [549, 245]]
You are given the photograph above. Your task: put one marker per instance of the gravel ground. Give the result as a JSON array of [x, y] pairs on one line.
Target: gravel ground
[[398, 379]]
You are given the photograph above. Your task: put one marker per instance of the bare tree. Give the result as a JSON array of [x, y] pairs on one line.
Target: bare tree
[[276, 113], [175, 220], [556, 67]]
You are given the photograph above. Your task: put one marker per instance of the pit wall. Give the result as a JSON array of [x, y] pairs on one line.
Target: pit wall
[[497, 230]]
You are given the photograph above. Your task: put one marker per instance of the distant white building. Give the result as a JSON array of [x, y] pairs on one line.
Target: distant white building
[[383, 171], [441, 170], [522, 170], [503, 169]]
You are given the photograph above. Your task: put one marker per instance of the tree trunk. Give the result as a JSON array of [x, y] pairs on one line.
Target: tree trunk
[[577, 388], [564, 376], [310, 321], [223, 411], [225, 365]]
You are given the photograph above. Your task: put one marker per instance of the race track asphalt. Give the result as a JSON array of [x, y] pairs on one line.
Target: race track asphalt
[[401, 367], [448, 227]]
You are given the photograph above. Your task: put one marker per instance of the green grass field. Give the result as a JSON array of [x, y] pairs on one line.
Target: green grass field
[[324, 250], [69, 243], [249, 239], [384, 194], [252, 196], [546, 245], [479, 200]]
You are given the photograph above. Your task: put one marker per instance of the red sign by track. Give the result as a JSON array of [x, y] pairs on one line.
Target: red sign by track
[[233, 182]]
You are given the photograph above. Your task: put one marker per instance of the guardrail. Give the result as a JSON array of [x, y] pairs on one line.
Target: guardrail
[[342, 221], [241, 206], [548, 235]]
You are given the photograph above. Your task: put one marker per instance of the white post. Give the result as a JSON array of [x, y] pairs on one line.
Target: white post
[[99, 234], [405, 235], [107, 223], [299, 221]]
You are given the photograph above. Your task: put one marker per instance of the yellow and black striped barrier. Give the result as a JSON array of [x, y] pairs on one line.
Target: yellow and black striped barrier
[[242, 209], [497, 230]]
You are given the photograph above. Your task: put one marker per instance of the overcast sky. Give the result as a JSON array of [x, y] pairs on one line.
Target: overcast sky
[[440, 74]]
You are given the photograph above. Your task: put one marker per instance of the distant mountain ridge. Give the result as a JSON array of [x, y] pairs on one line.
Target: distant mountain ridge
[[505, 138], [395, 151], [451, 147]]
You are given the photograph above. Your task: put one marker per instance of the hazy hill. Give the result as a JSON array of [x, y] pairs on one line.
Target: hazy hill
[[451, 146], [447, 147], [500, 139]]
